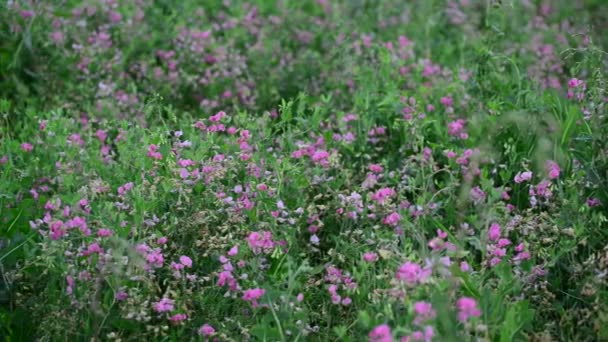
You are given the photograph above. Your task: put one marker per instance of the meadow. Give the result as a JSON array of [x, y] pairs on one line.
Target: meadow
[[303, 170]]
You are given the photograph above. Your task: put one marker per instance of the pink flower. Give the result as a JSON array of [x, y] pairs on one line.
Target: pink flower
[[153, 152], [206, 330], [300, 297], [370, 257], [392, 219], [233, 251], [121, 295], [260, 242], [375, 168], [467, 307], [593, 202], [494, 232], [253, 295], [477, 195], [552, 169], [164, 305], [381, 333], [319, 156], [521, 177], [447, 101], [383, 194], [178, 317], [104, 232], [101, 135], [412, 273], [186, 261], [27, 147], [424, 312]]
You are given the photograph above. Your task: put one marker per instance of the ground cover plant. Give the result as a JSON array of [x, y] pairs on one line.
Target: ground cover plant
[[278, 170]]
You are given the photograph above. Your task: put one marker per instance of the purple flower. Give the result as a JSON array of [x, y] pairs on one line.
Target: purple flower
[[164, 305], [206, 330], [381, 333], [467, 307]]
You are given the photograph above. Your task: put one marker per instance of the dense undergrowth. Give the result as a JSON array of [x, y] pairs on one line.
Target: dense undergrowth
[[303, 170]]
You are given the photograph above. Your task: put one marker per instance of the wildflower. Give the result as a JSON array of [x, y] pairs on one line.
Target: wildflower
[[370, 257], [104, 232], [206, 330], [412, 273], [383, 194], [552, 169], [392, 219], [253, 295], [521, 177], [153, 152], [467, 307], [164, 305], [101, 135], [121, 295], [477, 195], [375, 168], [178, 317], [593, 202], [233, 251], [494, 232], [27, 147], [260, 242], [186, 261], [424, 312], [381, 333]]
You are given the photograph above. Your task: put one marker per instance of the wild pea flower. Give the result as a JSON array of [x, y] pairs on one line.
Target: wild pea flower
[[412, 273], [503, 243], [477, 195], [521, 177], [370, 257], [320, 157], [447, 101], [206, 330], [426, 335], [178, 317], [593, 202], [456, 128], [467, 307], [260, 242], [381, 333], [217, 117], [186, 261], [121, 295], [56, 230], [123, 189], [464, 266], [383, 194], [233, 251], [71, 284], [494, 232], [576, 88], [553, 169], [253, 295], [424, 312], [153, 152], [101, 135], [164, 305], [226, 278], [392, 219], [27, 147]]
